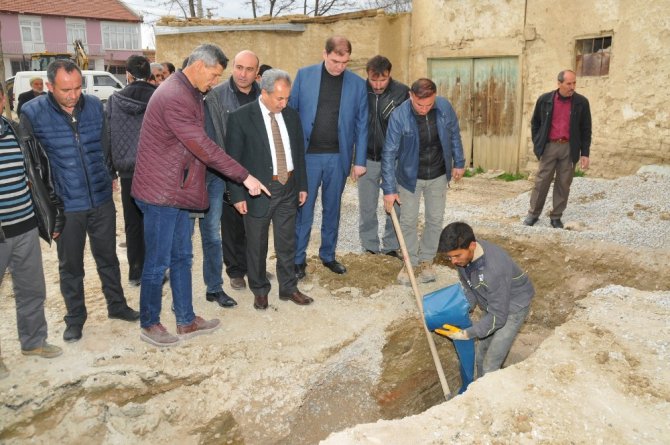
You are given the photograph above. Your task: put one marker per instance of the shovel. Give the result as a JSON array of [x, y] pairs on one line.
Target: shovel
[[417, 295]]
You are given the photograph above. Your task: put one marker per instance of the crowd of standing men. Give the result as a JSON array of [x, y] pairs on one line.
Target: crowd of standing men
[[240, 154]]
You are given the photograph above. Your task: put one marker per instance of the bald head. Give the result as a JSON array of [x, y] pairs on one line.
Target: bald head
[[245, 69]]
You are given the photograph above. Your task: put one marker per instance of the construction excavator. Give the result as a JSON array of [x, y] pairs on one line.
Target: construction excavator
[[40, 61]]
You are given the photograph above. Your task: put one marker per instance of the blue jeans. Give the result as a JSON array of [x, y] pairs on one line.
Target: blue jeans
[[492, 350], [167, 241], [323, 171], [210, 232]]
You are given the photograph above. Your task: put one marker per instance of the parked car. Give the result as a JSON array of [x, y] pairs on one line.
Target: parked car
[[98, 83]]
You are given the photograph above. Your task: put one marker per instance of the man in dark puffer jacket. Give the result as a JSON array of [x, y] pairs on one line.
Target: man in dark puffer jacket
[[71, 128], [125, 113]]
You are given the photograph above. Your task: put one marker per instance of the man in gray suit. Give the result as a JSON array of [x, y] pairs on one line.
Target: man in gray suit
[[266, 138]]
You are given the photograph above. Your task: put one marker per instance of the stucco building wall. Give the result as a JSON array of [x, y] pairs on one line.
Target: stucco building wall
[[631, 125]]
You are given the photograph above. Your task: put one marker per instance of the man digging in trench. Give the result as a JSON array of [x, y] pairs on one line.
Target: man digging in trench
[[494, 282]]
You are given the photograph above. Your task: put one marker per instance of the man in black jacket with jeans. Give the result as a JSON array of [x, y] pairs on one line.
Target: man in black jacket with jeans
[[561, 130], [384, 95]]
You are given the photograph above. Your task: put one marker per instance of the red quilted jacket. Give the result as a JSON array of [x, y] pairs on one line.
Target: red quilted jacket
[[174, 151]]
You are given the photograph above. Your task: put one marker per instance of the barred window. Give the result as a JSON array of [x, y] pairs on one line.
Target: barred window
[[593, 56]]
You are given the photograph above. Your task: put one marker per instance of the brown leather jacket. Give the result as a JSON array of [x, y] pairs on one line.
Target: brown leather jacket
[[174, 151]]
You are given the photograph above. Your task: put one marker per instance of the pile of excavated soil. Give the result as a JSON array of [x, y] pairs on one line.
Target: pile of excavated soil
[[589, 366]]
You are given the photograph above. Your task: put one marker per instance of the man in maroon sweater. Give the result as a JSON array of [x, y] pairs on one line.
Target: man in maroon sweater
[[172, 156]]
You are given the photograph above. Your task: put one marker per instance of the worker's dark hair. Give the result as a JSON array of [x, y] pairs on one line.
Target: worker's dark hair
[[263, 68], [68, 65], [457, 235], [339, 45], [169, 66], [423, 88], [139, 67], [378, 65]]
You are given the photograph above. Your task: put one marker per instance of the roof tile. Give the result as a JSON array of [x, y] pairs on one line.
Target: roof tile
[[94, 9]]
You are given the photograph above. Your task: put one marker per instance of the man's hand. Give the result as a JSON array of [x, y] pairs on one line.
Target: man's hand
[[255, 186], [452, 332], [115, 185], [302, 198], [55, 235], [584, 162], [457, 173], [357, 171], [389, 200], [241, 207]]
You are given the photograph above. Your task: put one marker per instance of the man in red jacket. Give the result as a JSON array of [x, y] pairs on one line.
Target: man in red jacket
[[172, 156]]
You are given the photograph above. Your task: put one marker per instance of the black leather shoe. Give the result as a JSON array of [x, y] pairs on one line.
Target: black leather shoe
[[127, 314], [300, 271], [530, 220], [335, 266], [222, 298], [72, 333], [260, 302], [557, 223]]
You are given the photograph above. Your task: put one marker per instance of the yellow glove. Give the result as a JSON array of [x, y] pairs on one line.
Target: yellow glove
[[452, 332]]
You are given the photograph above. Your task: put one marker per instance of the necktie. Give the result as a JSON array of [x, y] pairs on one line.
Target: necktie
[[282, 174]]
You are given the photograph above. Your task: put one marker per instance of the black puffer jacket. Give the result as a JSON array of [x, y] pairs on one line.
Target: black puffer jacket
[[125, 113], [380, 107]]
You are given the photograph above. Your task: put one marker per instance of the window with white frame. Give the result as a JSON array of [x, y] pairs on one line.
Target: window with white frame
[[76, 30], [31, 34], [121, 35]]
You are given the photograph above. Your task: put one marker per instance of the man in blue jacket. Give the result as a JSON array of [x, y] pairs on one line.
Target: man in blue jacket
[[325, 94], [422, 152], [72, 129]]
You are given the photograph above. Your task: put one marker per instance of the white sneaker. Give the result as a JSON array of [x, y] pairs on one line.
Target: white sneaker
[[427, 274]]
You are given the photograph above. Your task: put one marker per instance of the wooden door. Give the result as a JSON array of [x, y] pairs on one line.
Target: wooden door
[[485, 95]]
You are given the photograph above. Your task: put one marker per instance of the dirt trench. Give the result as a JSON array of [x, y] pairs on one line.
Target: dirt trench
[[562, 275], [347, 393]]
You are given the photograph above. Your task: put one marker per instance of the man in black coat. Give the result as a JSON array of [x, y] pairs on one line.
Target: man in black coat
[[266, 138], [36, 90], [561, 130]]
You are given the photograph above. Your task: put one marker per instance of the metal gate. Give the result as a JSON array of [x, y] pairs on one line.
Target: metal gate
[[485, 95]]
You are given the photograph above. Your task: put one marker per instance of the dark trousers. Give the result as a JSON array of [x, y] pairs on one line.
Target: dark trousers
[[134, 228], [233, 240], [100, 225], [282, 214]]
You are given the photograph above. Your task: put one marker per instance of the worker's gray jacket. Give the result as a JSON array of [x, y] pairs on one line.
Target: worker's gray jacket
[[220, 102], [497, 284]]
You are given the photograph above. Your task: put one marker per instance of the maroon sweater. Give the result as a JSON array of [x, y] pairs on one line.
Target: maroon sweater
[[174, 151]]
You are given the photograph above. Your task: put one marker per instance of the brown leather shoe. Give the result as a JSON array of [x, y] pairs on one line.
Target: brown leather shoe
[[298, 298], [260, 301]]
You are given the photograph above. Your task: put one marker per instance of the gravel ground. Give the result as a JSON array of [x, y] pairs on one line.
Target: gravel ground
[[633, 211]]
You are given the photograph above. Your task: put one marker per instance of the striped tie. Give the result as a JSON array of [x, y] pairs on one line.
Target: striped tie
[[282, 174]]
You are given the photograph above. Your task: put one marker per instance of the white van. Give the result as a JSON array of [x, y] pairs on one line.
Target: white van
[[98, 83]]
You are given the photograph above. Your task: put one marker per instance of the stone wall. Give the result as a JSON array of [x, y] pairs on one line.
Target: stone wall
[[370, 33]]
